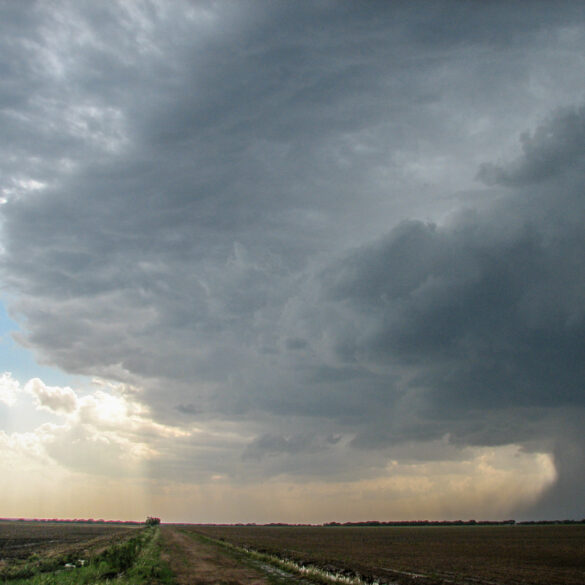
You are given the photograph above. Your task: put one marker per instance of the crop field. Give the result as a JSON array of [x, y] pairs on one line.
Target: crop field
[[18, 540], [84, 554], [43, 553], [482, 555]]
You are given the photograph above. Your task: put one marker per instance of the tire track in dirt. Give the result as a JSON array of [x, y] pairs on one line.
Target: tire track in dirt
[[197, 563]]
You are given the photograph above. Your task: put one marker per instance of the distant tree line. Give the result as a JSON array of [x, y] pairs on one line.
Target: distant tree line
[[453, 522], [421, 523], [150, 521], [527, 522], [425, 523], [72, 521]]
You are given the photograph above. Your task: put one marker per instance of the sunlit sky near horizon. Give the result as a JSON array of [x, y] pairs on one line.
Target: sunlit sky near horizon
[[292, 261]]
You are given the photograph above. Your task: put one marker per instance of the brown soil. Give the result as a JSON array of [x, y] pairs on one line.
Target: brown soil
[[504, 555], [196, 563], [19, 540]]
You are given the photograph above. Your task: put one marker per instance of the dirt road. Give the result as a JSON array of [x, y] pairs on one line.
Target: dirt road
[[198, 563]]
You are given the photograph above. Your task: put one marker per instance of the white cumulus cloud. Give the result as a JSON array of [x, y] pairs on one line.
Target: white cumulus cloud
[[53, 398], [9, 389]]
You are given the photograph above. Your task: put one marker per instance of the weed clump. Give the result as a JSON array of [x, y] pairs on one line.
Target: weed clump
[[120, 557]]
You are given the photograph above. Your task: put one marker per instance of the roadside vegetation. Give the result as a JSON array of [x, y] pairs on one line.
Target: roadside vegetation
[[135, 560]]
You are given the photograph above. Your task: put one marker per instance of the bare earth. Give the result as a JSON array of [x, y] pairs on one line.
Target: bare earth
[[196, 563], [502, 555], [18, 540]]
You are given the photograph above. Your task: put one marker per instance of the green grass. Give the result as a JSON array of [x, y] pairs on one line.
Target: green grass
[[135, 561]]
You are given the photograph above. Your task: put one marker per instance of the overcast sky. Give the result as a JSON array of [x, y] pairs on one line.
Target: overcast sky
[[292, 261]]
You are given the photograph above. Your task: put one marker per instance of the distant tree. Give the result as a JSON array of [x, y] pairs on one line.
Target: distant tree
[[152, 521]]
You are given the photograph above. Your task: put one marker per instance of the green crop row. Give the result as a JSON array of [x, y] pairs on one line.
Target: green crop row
[[135, 561]]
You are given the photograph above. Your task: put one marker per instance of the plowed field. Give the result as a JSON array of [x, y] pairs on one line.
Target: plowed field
[[18, 540], [500, 555]]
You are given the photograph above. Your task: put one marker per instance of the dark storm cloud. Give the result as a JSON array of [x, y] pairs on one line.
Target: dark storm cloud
[[486, 312], [554, 149], [488, 308], [259, 211]]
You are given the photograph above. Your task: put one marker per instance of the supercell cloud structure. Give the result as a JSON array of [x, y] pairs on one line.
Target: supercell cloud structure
[[301, 242]]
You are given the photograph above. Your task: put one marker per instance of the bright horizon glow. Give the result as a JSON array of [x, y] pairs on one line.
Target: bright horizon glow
[[487, 483]]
